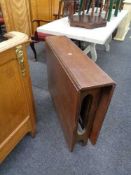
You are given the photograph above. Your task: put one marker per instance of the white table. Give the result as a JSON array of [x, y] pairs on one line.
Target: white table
[[101, 35]]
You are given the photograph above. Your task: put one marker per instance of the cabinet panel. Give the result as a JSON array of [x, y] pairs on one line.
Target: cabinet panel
[[17, 15], [17, 113], [44, 9], [12, 98]]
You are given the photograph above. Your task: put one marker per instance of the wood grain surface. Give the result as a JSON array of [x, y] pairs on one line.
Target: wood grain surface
[[81, 91], [43, 9], [17, 112], [17, 15]]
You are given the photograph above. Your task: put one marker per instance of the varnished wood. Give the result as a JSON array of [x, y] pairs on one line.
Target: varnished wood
[[60, 10], [17, 112], [43, 10], [17, 15], [80, 90], [92, 20], [86, 21]]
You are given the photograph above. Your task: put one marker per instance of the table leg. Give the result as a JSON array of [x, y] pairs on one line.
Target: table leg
[[107, 44], [125, 23], [92, 49]]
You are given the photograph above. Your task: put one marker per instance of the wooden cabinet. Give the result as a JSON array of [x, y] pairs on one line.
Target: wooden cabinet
[[43, 9], [17, 113], [17, 15]]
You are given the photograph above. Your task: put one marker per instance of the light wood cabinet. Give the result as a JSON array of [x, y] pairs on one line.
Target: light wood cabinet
[[17, 15], [43, 9], [17, 112]]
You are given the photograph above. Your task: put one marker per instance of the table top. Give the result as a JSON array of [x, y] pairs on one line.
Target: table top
[[127, 2], [97, 35], [77, 64]]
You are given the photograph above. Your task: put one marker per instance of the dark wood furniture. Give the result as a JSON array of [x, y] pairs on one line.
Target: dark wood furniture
[[64, 6], [88, 16], [1, 24], [37, 37], [80, 90], [92, 13]]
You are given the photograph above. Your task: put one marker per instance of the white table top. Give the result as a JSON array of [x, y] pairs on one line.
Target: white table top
[[127, 2], [97, 35]]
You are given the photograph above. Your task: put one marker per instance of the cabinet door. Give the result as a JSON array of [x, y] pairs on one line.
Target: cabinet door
[[43, 9], [14, 108], [17, 15]]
